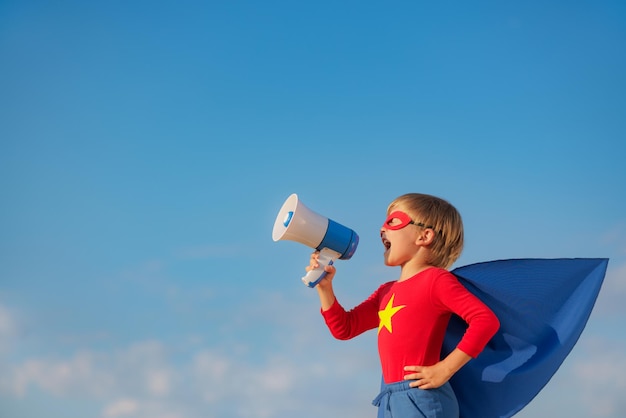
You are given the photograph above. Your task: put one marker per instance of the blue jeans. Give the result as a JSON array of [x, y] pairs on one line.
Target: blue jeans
[[398, 400]]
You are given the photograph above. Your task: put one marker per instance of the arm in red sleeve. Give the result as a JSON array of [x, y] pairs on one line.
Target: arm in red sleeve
[[345, 325], [482, 322]]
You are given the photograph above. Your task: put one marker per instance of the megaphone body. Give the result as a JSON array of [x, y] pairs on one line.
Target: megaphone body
[[296, 222]]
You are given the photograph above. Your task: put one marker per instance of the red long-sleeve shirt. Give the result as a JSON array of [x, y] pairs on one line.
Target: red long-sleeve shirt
[[412, 317]]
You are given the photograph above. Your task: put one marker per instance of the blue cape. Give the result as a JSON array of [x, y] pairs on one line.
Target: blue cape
[[543, 306]]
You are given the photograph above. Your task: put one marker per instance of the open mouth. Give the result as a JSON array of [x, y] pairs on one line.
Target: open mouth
[[386, 243]]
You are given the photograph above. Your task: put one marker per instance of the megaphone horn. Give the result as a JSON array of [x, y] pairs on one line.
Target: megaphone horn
[[296, 222]]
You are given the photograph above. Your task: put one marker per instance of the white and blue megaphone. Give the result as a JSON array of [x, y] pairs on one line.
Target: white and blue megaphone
[[296, 222]]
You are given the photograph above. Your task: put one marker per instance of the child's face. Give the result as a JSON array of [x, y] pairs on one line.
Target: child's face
[[399, 236]]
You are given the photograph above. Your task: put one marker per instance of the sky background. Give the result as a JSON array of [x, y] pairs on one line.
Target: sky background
[[146, 148]]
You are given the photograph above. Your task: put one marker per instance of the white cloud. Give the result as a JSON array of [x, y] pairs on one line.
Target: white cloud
[[134, 408], [158, 382], [121, 408], [79, 375], [7, 330], [279, 375], [601, 377], [141, 381]]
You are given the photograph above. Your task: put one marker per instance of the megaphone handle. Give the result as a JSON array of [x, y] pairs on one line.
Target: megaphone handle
[[326, 258]]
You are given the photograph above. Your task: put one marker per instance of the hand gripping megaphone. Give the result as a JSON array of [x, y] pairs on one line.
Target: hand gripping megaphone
[[296, 222]]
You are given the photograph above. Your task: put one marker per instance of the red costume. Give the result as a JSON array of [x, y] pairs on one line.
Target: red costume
[[412, 317]]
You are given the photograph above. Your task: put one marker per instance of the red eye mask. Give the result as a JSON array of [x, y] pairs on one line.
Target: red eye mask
[[401, 216], [404, 221]]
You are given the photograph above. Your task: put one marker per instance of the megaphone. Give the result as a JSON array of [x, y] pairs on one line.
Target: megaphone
[[296, 222]]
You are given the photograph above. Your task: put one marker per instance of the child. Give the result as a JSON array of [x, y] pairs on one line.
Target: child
[[423, 235]]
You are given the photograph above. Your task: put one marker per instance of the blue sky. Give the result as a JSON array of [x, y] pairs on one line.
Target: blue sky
[[146, 148]]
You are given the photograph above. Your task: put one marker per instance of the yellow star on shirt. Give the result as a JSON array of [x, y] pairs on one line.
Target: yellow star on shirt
[[386, 314]]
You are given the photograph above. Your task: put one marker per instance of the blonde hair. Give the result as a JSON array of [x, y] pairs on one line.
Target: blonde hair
[[439, 215]]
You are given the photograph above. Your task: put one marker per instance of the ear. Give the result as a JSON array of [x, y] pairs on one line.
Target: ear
[[426, 237]]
